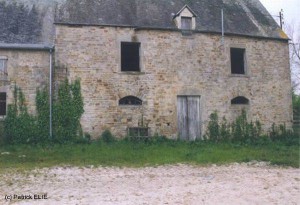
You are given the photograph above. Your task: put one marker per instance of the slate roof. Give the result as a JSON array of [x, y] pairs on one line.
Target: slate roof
[[31, 21]]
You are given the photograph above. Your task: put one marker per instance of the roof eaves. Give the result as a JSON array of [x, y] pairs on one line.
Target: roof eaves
[[140, 28], [244, 35], [215, 32], [15, 46], [93, 24]]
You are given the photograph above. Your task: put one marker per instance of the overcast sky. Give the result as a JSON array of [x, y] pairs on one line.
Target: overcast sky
[[291, 10]]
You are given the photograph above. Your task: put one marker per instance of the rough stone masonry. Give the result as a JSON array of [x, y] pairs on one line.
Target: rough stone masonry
[[172, 65]]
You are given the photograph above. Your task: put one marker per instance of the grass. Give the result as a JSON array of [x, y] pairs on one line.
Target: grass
[[139, 154]]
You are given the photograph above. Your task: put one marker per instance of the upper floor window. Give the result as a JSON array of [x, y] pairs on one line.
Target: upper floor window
[[130, 100], [240, 100], [237, 56], [3, 69], [130, 56], [2, 104]]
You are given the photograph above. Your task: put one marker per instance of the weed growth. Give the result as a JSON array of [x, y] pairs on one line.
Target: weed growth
[[242, 131]]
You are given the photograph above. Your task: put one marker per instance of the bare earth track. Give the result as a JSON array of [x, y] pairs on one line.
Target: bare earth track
[[252, 183]]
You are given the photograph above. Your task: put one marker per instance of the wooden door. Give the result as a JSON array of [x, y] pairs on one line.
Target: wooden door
[[188, 115]]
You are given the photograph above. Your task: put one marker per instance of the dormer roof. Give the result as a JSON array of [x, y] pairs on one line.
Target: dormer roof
[[185, 7]]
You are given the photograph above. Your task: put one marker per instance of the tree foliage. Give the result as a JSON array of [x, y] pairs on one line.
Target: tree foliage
[[19, 23], [296, 106]]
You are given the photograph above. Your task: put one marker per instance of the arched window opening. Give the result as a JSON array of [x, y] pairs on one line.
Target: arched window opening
[[240, 100], [130, 100]]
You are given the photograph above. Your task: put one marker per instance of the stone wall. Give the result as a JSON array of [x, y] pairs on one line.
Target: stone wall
[[172, 65], [28, 70]]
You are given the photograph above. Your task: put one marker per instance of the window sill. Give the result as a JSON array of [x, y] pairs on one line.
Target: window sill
[[132, 73], [130, 106], [239, 75], [187, 34]]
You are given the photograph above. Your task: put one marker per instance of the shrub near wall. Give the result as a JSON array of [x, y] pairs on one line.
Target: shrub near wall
[[67, 111], [242, 131], [21, 127]]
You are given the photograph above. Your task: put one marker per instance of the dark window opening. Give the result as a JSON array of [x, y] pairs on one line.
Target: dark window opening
[[130, 56], [237, 60], [240, 101], [186, 23], [2, 104], [138, 131], [130, 100]]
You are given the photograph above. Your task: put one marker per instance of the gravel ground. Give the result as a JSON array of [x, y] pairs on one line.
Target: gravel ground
[[246, 183]]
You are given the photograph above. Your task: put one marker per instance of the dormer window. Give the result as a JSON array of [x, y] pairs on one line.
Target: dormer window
[[186, 23], [185, 19]]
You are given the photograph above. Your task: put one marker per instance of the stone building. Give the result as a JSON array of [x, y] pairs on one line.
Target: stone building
[[163, 65]]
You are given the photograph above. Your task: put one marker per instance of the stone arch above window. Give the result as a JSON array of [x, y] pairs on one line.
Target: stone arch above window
[[130, 100], [240, 100]]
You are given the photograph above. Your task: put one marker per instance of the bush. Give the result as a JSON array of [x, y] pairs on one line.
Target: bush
[[107, 137], [281, 134], [67, 111], [213, 128], [242, 131], [20, 127]]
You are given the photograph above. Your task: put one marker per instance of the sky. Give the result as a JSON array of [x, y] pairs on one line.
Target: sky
[[291, 11]]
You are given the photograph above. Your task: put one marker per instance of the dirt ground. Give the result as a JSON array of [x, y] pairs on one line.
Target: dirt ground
[[251, 183]]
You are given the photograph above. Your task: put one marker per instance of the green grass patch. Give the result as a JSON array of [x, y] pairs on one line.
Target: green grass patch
[[139, 154]]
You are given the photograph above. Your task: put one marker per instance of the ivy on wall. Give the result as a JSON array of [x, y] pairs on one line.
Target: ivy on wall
[[21, 127], [67, 111]]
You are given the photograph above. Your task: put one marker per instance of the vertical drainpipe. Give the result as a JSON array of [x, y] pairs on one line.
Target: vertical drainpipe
[[222, 15], [50, 93]]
